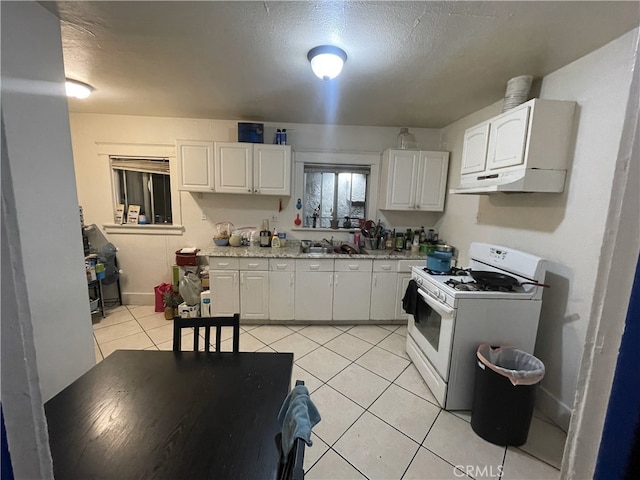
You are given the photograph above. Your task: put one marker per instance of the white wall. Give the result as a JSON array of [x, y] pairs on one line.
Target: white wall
[[568, 229], [146, 259], [50, 342]]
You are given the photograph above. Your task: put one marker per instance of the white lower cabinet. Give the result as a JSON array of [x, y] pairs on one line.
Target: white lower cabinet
[[254, 288], [225, 286], [314, 289], [351, 289], [285, 289], [282, 279], [383, 290], [404, 276]]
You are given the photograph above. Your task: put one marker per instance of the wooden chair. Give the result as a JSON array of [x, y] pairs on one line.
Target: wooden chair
[[293, 468], [207, 323]]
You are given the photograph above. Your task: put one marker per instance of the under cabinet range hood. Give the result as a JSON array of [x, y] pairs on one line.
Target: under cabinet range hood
[[515, 181], [524, 150]]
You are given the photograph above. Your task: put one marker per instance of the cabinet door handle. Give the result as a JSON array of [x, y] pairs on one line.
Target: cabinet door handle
[[253, 265], [314, 267], [281, 266], [385, 267], [256, 190], [223, 264], [354, 267]]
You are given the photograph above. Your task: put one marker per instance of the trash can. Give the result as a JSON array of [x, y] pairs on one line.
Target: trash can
[[506, 380]]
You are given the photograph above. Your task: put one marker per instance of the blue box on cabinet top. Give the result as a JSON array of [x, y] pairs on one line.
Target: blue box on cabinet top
[[251, 132]]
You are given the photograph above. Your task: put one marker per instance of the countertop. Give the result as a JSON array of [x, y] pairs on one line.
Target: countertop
[[292, 250]]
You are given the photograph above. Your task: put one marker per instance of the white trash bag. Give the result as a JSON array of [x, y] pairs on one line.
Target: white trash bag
[[189, 288], [521, 368]]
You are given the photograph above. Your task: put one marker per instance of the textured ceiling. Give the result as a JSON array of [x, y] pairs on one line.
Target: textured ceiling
[[420, 64]]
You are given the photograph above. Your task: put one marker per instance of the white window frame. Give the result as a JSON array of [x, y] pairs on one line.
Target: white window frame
[[107, 150]]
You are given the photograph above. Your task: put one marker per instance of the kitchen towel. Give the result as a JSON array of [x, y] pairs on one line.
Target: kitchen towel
[[297, 416], [410, 300]]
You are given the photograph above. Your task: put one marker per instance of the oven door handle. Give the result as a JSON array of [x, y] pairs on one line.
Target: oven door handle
[[436, 304]]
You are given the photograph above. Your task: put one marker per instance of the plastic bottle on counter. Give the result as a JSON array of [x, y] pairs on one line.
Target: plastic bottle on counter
[[284, 136], [423, 235], [278, 137], [275, 240]]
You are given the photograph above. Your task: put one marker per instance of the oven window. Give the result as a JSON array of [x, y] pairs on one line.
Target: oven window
[[428, 323]]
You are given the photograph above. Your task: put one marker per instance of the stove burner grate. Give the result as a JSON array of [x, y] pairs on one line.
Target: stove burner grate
[[453, 271], [472, 286]]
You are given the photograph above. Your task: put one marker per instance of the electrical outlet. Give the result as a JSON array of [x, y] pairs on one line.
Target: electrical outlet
[[275, 217]]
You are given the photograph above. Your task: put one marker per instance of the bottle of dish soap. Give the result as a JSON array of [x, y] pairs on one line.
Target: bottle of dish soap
[[275, 240]]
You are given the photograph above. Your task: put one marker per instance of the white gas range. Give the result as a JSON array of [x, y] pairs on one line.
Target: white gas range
[[453, 318]]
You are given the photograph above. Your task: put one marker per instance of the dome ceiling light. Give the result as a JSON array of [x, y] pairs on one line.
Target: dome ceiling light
[[327, 61], [77, 89]]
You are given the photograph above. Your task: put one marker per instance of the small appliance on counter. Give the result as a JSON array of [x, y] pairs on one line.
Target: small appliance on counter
[[265, 234]]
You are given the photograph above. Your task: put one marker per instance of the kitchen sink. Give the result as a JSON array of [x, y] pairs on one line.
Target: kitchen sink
[[327, 250]]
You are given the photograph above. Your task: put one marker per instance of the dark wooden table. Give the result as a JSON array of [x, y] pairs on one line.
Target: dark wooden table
[[163, 415]]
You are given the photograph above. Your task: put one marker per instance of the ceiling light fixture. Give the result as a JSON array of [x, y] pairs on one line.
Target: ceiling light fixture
[[327, 61], [77, 89]]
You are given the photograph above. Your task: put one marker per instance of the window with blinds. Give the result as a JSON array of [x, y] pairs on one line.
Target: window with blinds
[[334, 192], [145, 182]]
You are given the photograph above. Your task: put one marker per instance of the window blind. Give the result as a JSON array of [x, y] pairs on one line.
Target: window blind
[[334, 168], [144, 165]]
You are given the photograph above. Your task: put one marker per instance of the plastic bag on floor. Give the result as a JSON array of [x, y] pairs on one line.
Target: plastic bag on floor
[[189, 288], [159, 294], [521, 368]]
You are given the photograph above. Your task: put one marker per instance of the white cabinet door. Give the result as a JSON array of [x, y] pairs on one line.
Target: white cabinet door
[[402, 169], [271, 169], [233, 168], [282, 278], [351, 295], [314, 289], [474, 149], [383, 295], [314, 295], [432, 181], [403, 282], [195, 166], [225, 292], [352, 289], [507, 139], [282, 295], [254, 295]]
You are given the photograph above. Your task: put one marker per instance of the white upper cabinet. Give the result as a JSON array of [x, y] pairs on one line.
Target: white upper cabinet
[[413, 180], [195, 165], [524, 149], [474, 150], [252, 168], [508, 139], [233, 168]]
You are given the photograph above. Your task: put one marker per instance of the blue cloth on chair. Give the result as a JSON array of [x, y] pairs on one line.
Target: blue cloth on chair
[[297, 416]]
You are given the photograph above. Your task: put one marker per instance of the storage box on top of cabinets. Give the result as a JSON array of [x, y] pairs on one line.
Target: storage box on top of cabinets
[[412, 180], [524, 149]]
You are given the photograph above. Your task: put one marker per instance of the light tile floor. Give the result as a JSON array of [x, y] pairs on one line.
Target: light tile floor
[[379, 419]]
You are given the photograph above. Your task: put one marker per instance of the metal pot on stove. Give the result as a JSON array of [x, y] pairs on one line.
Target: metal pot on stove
[[439, 261]]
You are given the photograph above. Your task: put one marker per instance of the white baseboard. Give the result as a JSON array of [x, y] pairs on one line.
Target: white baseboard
[[138, 298], [557, 411]]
